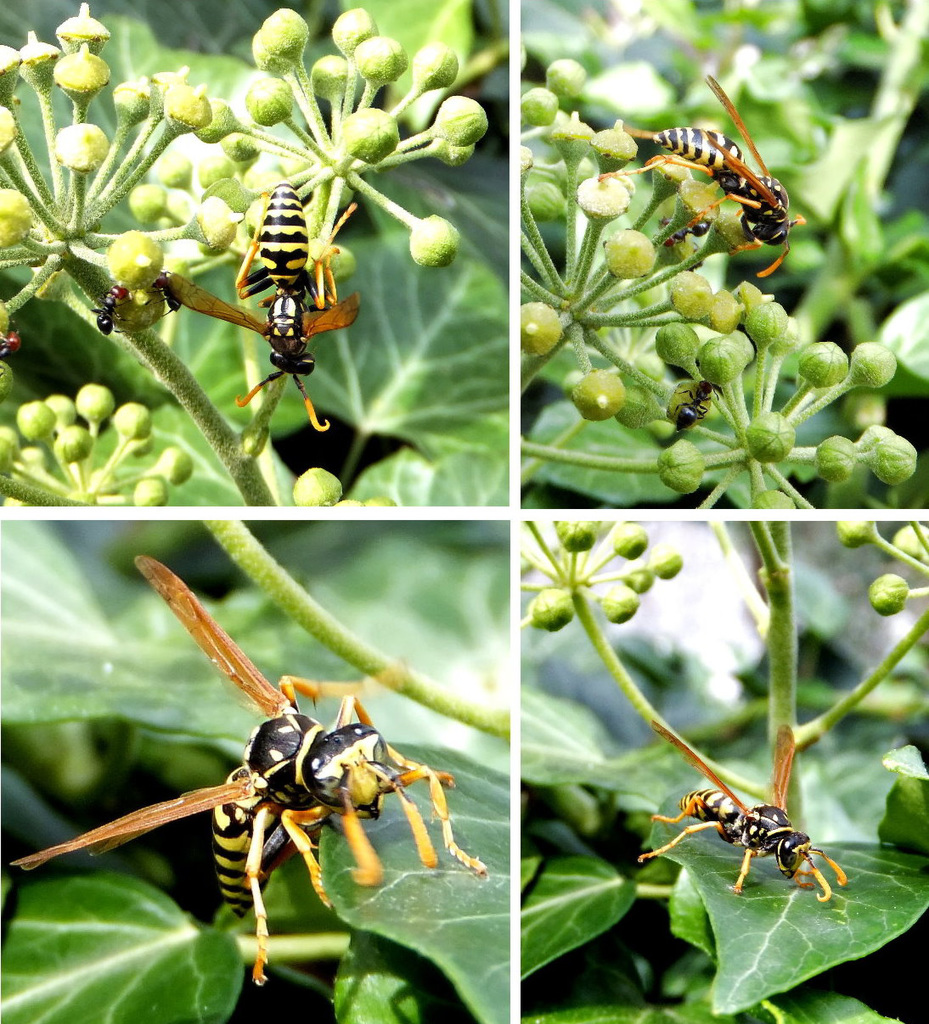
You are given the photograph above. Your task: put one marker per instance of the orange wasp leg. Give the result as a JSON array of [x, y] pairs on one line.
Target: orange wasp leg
[[292, 820], [690, 830], [252, 250], [325, 282]]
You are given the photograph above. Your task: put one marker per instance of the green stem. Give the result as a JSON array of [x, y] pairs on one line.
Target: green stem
[[248, 554]]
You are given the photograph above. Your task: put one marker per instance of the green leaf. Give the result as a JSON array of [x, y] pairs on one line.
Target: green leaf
[[906, 333], [474, 477], [572, 900], [688, 1013], [806, 1006], [447, 914], [906, 761], [81, 944], [906, 820], [756, 932]]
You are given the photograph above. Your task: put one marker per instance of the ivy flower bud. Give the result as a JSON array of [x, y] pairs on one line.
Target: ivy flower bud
[[603, 199], [240, 148], [665, 561], [891, 458], [766, 324], [218, 223], [9, 66], [770, 437], [872, 365], [724, 357], [681, 467], [370, 134], [452, 156], [329, 76], [175, 465], [435, 66], [538, 107], [317, 487], [565, 77], [175, 170], [525, 161], [82, 30], [856, 533], [546, 201], [150, 492], [551, 609], [614, 148], [599, 395], [63, 408], [269, 101], [6, 384], [434, 242], [572, 139], [907, 540], [540, 328], [629, 254], [133, 421], [772, 499], [212, 169], [640, 408], [134, 260], [888, 594], [576, 535], [73, 444], [639, 580], [629, 540], [691, 295], [15, 217], [81, 75], [461, 121], [81, 147], [823, 364], [725, 313], [352, 28], [619, 604], [748, 295], [279, 44], [133, 101], [95, 403], [381, 60], [223, 123], [187, 109], [37, 63], [835, 459], [36, 421], [678, 345], [148, 203]]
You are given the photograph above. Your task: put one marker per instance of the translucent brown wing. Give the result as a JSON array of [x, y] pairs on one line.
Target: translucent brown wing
[[701, 766], [342, 314], [737, 165], [133, 825], [199, 299], [212, 639], [783, 762]]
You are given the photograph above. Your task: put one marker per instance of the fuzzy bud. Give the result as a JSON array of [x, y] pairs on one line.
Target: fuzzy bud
[[835, 459], [888, 594], [619, 604], [133, 421], [148, 203], [629, 254], [381, 60], [37, 63], [576, 535], [599, 395], [461, 121], [82, 31], [538, 107], [724, 357], [565, 77], [81, 147], [370, 134], [95, 403], [269, 101], [766, 323], [540, 328], [770, 437], [872, 365], [823, 364], [73, 444], [691, 295], [681, 467], [678, 345], [434, 242], [279, 44], [725, 313], [15, 217], [218, 223], [665, 561], [856, 533], [135, 260], [187, 109], [351, 29], [81, 75], [36, 421], [133, 101], [150, 492], [551, 609], [435, 66], [317, 487], [629, 540], [772, 499], [328, 77], [603, 199]]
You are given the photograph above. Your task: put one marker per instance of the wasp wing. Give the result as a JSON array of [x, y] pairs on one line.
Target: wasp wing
[[199, 299], [699, 764], [136, 824], [212, 639], [342, 314], [737, 165], [783, 762]]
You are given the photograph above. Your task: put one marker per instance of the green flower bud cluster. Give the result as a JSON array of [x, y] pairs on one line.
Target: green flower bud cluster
[[581, 566], [89, 450]]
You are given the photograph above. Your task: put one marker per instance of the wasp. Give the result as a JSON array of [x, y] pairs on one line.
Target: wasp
[[294, 777], [763, 830], [9, 343], [764, 201], [290, 325], [282, 244], [690, 403]]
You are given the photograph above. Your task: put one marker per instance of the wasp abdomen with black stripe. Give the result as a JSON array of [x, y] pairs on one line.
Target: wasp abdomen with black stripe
[[282, 245]]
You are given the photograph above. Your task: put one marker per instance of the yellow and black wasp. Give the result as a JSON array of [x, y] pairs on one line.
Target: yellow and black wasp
[[295, 776], [690, 403], [764, 201], [763, 831]]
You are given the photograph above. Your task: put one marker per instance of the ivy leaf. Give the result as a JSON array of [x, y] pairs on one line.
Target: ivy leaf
[[79, 944], [447, 914], [775, 934], [573, 900]]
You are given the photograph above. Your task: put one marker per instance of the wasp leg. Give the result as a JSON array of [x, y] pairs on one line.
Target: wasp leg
[[244, 289], [690, 830], [292, 820], [310, 411], [659, 161], [746, 864], [253, 874], [314, 688], [369, 870], [324, 291], [242, 402]]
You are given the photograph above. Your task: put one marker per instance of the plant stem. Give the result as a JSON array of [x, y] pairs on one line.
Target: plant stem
[[248, 554]]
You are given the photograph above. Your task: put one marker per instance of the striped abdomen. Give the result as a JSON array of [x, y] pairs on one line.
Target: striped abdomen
[[232, 836], [283, 244], [711, 805], [700, 146]]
